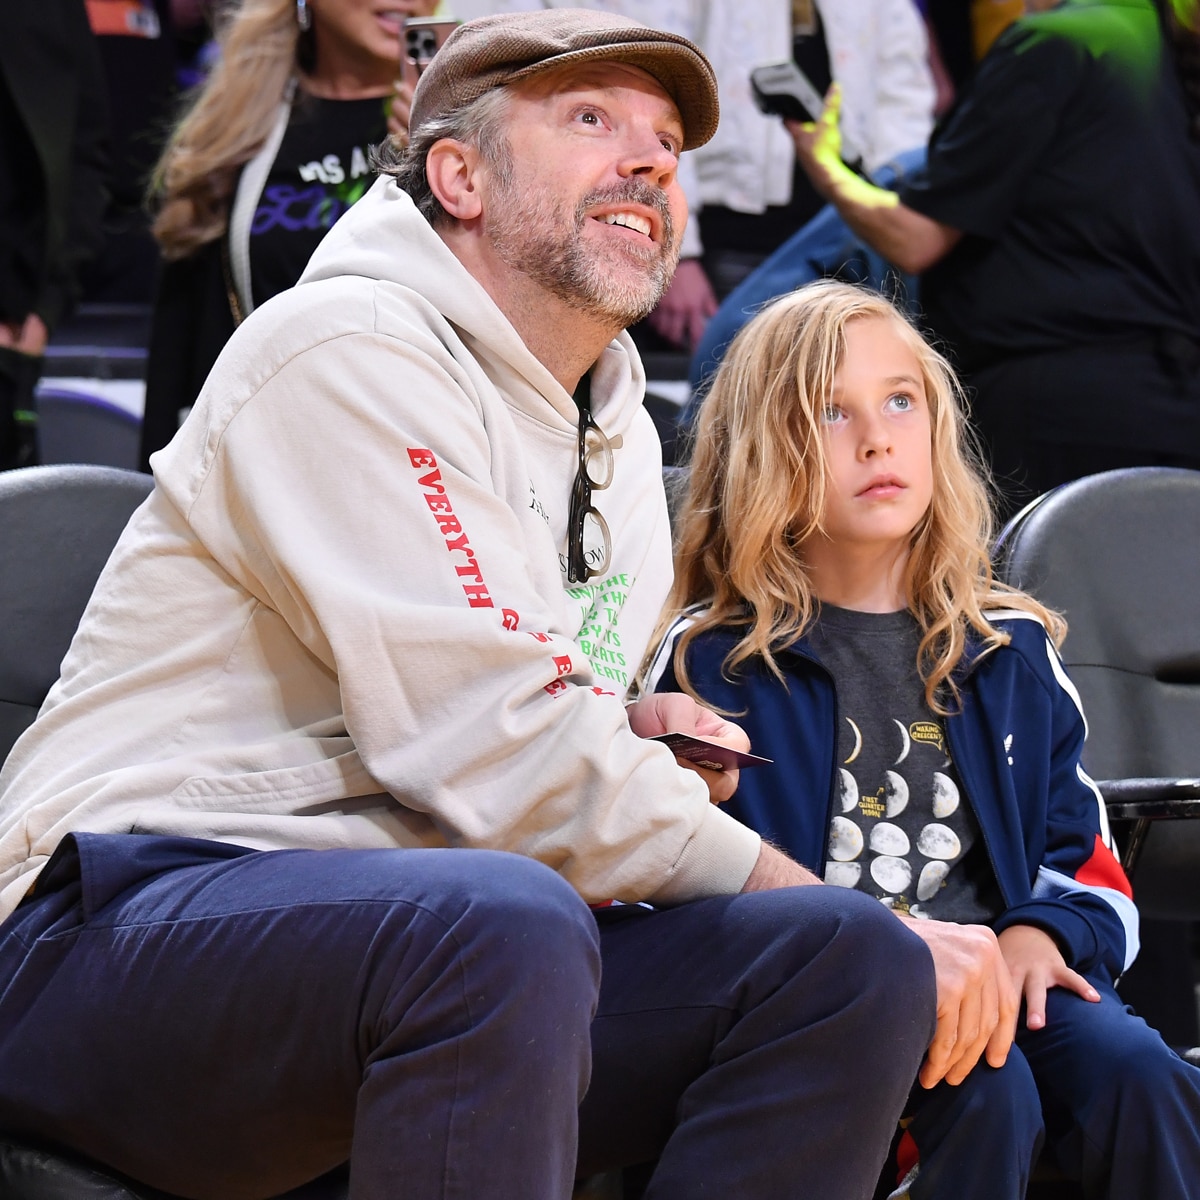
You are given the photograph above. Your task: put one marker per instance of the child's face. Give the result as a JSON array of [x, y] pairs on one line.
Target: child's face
[[877, 440]]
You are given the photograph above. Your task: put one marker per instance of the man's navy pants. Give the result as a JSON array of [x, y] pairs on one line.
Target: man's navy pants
[[225, 1024]]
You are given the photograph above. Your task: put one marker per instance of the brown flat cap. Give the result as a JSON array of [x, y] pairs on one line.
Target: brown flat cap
[[492, 51]]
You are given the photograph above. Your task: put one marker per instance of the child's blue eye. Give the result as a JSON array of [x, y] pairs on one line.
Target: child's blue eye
[[900, 402], [830, 414]]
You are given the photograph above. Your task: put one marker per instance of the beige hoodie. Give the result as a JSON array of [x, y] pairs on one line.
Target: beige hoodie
[[341, 618]]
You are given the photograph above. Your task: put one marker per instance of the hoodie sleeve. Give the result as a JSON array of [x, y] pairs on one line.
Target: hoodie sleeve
[[358, 494], [1081, 895]]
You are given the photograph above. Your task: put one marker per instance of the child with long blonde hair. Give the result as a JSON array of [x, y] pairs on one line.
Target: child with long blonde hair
[[833, 591]]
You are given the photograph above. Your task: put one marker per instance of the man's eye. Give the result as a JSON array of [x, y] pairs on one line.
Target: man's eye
[[670, 146], [590, 118]]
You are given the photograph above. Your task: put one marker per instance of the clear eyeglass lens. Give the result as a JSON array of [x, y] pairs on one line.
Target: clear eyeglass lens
[[598, 458], [597, 542]]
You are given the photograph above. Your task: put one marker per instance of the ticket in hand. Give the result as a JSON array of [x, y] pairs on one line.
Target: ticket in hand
[[713, 755]]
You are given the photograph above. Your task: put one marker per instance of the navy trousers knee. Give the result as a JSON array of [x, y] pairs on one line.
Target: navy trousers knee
[[759, 1045], [1122, 1109], [979, 1138], [225, 1024]]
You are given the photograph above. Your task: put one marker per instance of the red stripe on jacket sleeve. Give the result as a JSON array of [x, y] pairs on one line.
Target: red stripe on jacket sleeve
[[1103, 870]]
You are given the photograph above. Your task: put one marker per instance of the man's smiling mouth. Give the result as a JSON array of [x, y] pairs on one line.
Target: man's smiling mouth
[[629, 220]]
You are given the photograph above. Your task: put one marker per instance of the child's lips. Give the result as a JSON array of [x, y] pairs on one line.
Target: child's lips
[[887, 485]]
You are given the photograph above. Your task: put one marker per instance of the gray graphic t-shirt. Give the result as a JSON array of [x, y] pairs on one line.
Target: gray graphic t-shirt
[[903, 830]]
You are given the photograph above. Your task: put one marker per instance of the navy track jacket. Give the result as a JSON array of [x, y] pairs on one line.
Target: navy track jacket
[[1016, 744]]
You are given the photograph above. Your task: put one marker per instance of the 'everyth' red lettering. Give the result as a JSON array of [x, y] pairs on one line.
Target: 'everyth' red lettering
[[438, 503]]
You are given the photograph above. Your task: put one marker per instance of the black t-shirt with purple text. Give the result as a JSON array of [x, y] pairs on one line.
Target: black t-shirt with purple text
[[322, 167]]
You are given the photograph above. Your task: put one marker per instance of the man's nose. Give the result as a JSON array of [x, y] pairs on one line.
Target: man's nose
[[646, 156]]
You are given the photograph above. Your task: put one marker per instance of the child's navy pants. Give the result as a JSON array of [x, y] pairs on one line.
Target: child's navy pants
[[1117, 1109]]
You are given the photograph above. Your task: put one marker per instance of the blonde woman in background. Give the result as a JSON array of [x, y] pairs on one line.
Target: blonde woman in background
[[272, 150]]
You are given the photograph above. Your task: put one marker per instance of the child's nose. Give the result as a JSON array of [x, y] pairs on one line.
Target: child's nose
[[874, 439]]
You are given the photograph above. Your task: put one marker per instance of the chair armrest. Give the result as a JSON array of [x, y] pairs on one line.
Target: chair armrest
[[1150, 799], [1144, 800]]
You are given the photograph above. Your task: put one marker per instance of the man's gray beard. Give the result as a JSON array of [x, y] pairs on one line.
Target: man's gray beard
[[531, 236]]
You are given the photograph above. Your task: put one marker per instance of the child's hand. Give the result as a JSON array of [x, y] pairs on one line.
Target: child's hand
[[674, 712], [1036, 964]]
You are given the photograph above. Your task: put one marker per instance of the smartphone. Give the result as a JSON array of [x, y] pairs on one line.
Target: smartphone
[[420, 39], [783, 90]]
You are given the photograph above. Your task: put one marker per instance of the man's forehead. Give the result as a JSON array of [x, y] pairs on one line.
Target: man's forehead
[[596, 76]]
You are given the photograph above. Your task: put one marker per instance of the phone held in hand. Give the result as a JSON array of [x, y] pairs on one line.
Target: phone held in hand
[[783, 90], [420, 39]]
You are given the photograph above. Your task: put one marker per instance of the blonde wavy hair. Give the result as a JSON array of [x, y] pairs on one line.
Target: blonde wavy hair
[[227, 121], [756, 494]]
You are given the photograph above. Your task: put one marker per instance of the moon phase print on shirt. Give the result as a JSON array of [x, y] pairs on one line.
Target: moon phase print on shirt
[[894, 840], [895, 793], [849, 790], [899, 825], [933, 874], [845, 840], [945, 795], [857, 741]]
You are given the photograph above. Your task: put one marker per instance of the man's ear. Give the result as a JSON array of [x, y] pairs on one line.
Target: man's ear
[[453, 171]]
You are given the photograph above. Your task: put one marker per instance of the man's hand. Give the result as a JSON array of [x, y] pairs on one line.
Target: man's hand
[[686, 307], [976, 1001], [1036, 964], [674, 712]]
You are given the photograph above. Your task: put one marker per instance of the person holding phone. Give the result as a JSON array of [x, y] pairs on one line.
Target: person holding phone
[[750, 194], [1054, 232], [273, 149]]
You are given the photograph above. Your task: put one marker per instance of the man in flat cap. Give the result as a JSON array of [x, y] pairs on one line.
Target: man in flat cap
[[317, 847]]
